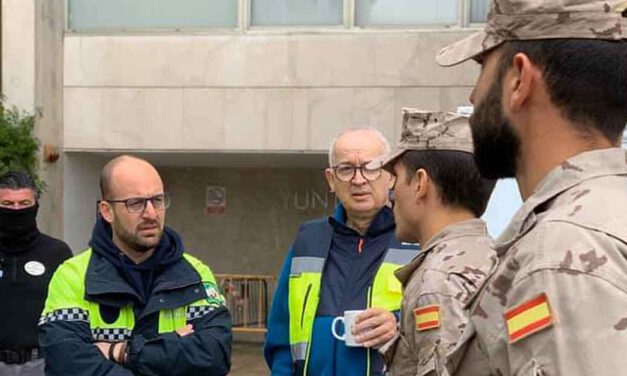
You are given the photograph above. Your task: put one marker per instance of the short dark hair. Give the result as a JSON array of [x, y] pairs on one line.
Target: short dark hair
[[455, 175], [15, 180], [585, 78]]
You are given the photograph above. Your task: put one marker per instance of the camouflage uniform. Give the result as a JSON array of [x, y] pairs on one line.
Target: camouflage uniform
[[438, 284], [556, 303], [446, 275]]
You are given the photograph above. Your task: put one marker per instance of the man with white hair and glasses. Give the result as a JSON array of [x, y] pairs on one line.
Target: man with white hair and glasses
[[341, 263]]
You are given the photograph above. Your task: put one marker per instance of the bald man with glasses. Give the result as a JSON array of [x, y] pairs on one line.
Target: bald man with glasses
[[134, 303], [341, 263]]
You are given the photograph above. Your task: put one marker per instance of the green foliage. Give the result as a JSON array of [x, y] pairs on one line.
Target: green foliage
[[18, 145]]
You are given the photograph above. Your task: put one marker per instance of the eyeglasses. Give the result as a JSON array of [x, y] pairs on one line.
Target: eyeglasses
[[138, 204], [346, 172]]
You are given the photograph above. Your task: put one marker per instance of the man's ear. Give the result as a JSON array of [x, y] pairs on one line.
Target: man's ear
[[328, 174], [106, 211], [420, 182], [520, 81]]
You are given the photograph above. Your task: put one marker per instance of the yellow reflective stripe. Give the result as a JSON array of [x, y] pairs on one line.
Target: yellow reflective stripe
[[303, 301], [67, 286], [172, 319], [387, 291]]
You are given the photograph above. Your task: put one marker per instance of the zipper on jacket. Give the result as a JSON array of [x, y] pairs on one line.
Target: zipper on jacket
[[302, 314], [360, 246]]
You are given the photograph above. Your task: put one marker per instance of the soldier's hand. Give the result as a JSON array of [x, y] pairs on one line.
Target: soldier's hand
[[374, 327]]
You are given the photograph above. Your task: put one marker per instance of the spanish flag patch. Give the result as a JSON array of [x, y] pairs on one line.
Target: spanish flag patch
[[427, 317], [528, 318]]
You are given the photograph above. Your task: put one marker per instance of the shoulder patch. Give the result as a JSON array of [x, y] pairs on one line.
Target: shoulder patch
[[214, 298], [528, 318], [427, 317]]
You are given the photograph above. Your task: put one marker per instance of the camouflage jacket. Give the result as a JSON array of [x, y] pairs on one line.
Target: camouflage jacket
[[436, 286], [557, 302]]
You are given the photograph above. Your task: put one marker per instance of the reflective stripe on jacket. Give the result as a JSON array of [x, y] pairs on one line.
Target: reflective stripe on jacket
[[88, 301], [311, 249]]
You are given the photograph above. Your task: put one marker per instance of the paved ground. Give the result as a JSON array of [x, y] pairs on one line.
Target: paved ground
[[247, 360]]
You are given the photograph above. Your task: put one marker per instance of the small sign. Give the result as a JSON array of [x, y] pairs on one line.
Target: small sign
[[215, 200]]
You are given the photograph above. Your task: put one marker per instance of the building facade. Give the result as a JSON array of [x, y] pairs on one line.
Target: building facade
[[234, 101]]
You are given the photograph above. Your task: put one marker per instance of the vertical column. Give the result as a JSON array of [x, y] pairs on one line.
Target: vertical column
[[18, 53], [48, 96]]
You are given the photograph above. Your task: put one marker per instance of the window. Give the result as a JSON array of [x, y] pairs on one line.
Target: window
[[479, 10], [151, 14], [296, 12], [112, 15], [405, 12]]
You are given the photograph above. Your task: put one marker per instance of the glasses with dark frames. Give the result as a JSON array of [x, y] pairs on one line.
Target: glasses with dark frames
[[138, 204], [346, 172]]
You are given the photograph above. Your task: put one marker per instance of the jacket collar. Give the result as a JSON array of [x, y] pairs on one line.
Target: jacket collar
[[382, 222], [472, 227], [105, 284], [582, 167]]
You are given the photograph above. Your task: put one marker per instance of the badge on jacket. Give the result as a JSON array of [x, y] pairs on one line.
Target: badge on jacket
[[35, 268], [214, 298], [427, 317], [528, 318]]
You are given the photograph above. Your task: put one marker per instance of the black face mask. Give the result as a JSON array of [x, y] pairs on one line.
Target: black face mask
[[18, 226]]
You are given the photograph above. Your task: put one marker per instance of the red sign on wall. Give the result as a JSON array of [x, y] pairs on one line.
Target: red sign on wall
[[215, 200]]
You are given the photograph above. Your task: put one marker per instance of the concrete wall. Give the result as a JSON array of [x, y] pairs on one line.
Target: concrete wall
[[249, 92], [264, 209]]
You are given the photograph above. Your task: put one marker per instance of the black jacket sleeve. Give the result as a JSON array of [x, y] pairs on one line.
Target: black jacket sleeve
[[64, 335], [206, 352], [68, 349]]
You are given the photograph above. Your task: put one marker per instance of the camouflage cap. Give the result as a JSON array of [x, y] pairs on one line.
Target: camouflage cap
[[540, 19], [430, 130]]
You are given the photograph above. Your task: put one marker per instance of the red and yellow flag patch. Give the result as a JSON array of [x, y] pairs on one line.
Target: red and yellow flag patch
[[427, 317], [528, 318]]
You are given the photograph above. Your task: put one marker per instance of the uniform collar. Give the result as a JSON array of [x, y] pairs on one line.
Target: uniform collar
[[582, 167], [105, 284], [381, 223], [471, 227]]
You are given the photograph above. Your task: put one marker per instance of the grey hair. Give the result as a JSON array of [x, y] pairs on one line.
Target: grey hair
[[380, 136]]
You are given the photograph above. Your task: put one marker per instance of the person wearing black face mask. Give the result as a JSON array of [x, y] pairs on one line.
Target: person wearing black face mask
[[28, 259]]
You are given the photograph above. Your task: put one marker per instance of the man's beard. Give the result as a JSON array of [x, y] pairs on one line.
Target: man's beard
[[497, 146], [137, 243]]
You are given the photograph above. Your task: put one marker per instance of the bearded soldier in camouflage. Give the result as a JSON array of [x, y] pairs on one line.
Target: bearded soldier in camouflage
[[438, 197], [551, 106]]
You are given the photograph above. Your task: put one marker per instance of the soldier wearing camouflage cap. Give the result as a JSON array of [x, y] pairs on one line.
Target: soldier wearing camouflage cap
[[550, 109], [438, 197]]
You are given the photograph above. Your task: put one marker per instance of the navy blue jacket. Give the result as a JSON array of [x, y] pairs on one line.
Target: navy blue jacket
[[346, 277], [68, 345]]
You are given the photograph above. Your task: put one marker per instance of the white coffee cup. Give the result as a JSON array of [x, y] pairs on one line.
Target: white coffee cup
[[349, 321]]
